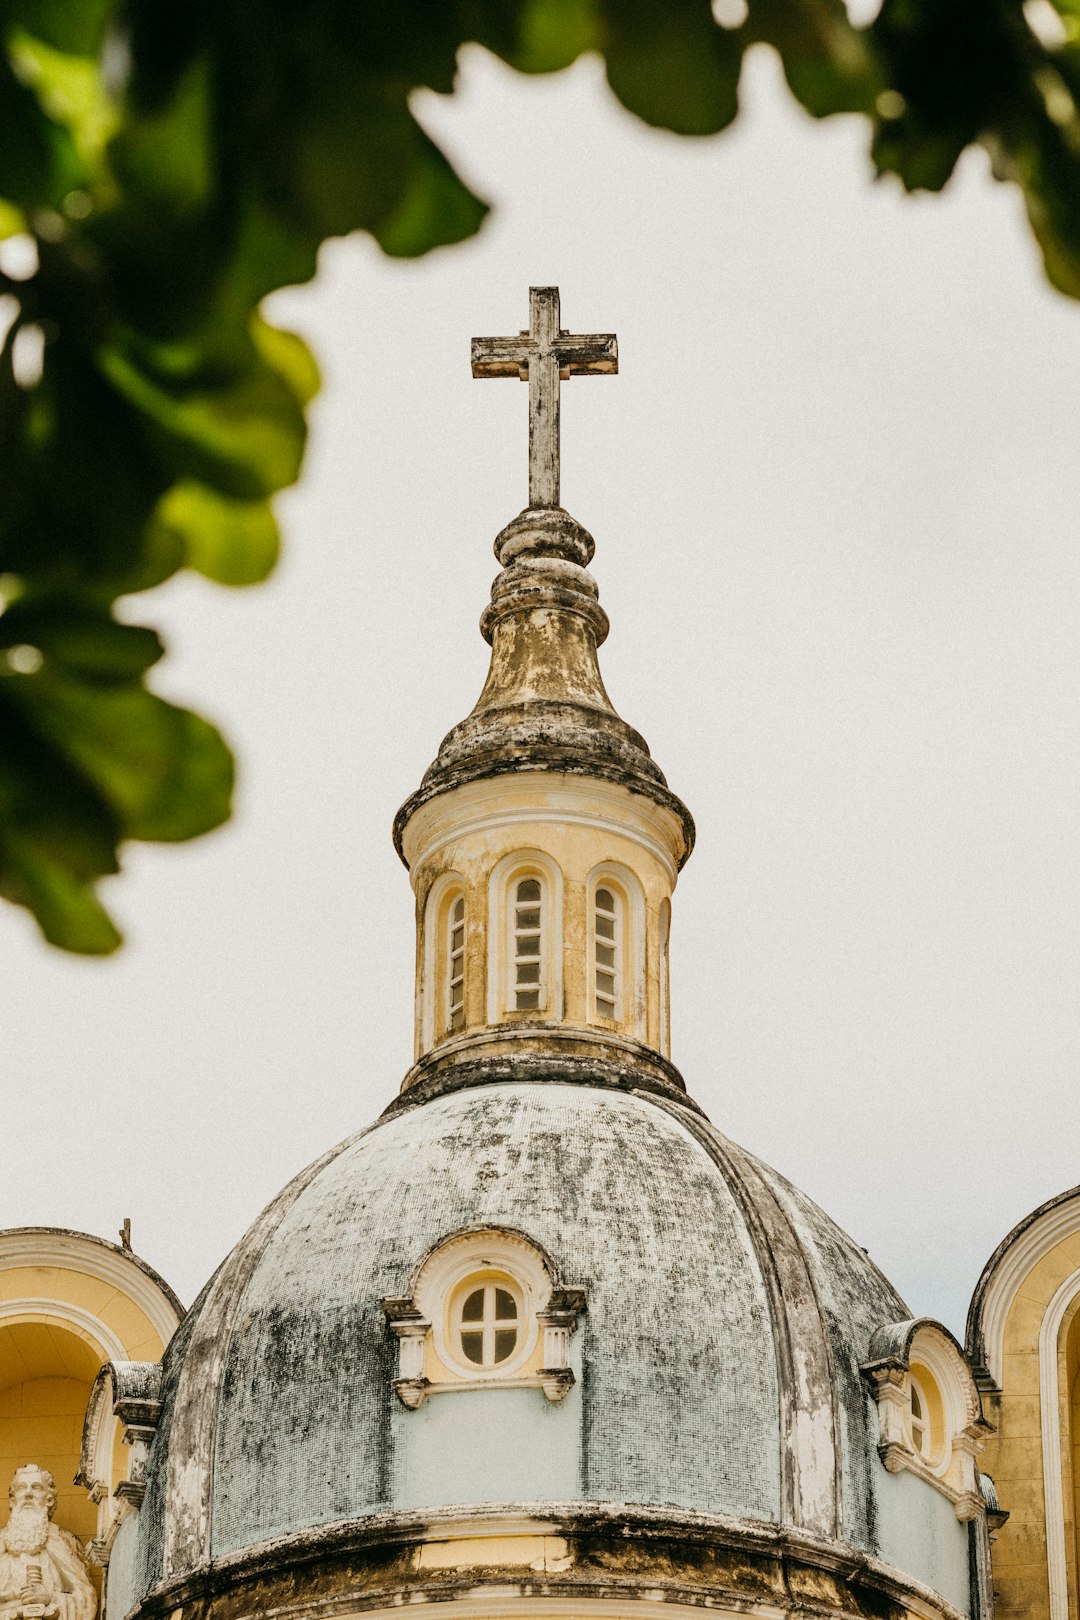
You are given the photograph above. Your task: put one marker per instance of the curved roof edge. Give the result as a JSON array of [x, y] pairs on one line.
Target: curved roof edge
[[1000, 1279], [21, 1245], [893, 1341]]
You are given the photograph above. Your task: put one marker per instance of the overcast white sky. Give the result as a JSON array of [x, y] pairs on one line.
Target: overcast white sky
[[834, 497]]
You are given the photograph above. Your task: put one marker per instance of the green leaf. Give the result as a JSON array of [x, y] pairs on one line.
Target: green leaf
[[166, 771], [287, 354], [554, 33], [74, 26], [240, 428], [950, 68], [28, 155], [829, 65], [66, 908], [81, 637], [70, 91], [233, 542], [165, 158], [12, 220], [672, 65], [435, 209]]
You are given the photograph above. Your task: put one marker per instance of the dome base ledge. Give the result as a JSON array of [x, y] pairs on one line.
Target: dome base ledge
[[572, 1555], [541, 1052]]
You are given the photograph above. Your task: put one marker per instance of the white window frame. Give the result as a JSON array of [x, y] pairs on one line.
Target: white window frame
[[454, 977], [922, 1430], [608, 1007], [630, 1007], [435, 982], [502, 981]]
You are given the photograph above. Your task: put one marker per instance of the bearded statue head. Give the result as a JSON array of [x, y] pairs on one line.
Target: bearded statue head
[[32, 1501]]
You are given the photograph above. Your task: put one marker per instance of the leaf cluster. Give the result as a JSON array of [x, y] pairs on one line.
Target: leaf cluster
[[164, 167]]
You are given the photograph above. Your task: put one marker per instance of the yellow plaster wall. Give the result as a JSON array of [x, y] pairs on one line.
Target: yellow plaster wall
[[49, 1361], [1014, 1455], [46, 1375], [97, 1298]]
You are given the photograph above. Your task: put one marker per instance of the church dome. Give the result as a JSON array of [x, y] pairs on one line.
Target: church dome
[[722, 1324]]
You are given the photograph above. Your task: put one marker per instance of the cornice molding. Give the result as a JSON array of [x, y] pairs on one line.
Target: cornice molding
[[718, 1563]]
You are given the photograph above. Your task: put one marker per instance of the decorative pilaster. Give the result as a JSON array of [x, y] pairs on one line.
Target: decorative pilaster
[[411, 1330], [557, 1323]]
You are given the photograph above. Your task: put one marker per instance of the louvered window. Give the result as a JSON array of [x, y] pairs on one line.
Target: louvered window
[[455, 962], [527, 935], [607, 950]]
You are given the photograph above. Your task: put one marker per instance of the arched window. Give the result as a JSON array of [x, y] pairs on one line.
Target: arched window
[[443, 966], [525, 943], [455, 965], [527, 927], [930, 1437], [608, 950], [928, 1409], [615, 967]]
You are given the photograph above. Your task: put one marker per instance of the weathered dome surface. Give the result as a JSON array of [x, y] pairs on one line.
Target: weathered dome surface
[[719, 1350]]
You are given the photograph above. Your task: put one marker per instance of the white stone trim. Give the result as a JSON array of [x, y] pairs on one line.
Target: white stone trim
[[72, 1251], [59, 1310], [1053, 1479], [445, 1270], [520, 863], [503, 1602], [1019, 1260]]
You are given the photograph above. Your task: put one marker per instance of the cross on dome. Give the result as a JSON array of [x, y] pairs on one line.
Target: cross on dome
[[543, 357]]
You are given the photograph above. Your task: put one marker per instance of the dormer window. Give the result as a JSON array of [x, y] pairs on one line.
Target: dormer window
[[486, 1310], [527, 929], [607, 950], [930, 1420], [455, 958]]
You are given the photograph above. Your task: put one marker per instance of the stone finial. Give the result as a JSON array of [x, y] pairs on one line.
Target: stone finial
[[544, 705]]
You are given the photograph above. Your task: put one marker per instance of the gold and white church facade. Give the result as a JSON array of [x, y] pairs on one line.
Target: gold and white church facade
[[540, 1342]]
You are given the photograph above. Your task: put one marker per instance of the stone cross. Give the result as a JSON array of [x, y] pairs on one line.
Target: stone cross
[[543, 357]]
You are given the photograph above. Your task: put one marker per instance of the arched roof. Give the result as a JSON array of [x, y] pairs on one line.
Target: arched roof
[[727, 1319], [1003, 1275]]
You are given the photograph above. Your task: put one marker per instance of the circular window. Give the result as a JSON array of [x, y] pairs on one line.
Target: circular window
[[487, 1321]]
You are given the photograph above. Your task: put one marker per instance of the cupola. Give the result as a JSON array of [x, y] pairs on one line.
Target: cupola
[[543, 843]]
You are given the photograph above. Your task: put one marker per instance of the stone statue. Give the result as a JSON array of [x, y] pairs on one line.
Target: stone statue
[[43, 1574]]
